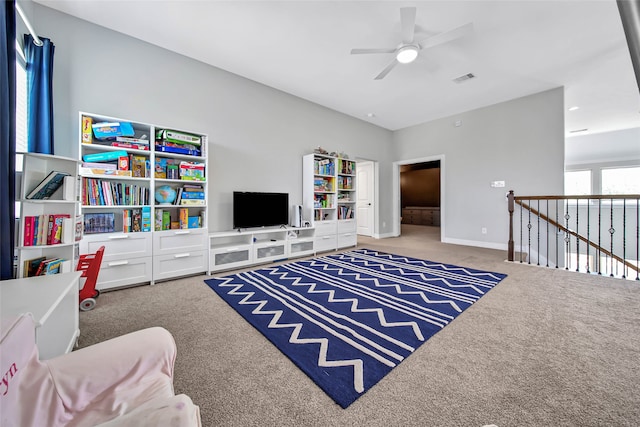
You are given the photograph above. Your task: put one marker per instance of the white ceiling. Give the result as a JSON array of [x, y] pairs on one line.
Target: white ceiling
[[303, 48]]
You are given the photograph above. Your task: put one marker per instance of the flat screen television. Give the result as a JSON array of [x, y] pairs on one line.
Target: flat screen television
[[254, 209]]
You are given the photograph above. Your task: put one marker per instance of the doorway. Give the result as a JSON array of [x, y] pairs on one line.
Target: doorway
[[419, 193]]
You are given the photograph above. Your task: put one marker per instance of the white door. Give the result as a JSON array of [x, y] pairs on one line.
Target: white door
[[365, 203]]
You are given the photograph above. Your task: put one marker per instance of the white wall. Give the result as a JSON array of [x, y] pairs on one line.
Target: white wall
[[257, 135], [520, 142]]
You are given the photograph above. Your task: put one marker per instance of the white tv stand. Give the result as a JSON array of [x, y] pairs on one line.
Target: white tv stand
[[243, 248]]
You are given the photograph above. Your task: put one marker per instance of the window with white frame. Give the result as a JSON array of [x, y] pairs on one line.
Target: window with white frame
[[624, 180], [577, 183]]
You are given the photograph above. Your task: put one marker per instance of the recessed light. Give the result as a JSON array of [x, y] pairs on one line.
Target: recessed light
[[371, 115], [574, 108]]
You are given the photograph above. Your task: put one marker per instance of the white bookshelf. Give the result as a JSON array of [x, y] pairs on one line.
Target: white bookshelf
[[329, 196], [35, 168], [152, 250]]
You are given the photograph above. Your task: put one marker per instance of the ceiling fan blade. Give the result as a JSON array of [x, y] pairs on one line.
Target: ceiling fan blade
[[386, 71], [359, 51], [408, 24], [447, 36]]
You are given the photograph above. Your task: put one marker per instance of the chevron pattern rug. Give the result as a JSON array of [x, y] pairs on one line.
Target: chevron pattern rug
[[348, 319]]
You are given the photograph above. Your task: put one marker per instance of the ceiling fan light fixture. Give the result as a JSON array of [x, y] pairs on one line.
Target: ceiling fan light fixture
[[407, 54]]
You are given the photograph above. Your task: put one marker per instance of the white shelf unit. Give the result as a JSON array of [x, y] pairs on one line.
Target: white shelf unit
[[329, 195], [237, 249], [36, 167], [53, 302], [161, 252]]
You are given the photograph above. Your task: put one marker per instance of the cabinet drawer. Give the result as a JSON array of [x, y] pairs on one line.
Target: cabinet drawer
[[269, 251], [325, 227], [231, 257], [301, 247], [347, 239], [118, 245], [326, 243], [116, 273], [179, 264], [173, 241], [346, 226]]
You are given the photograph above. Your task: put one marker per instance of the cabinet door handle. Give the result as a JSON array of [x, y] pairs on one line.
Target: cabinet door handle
[[347, 234], [119, 236], [182, 232], [116, 263], [326, 237], [181, 255]]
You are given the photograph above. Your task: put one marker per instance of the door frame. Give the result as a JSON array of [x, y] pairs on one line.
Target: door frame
[[396, 192]]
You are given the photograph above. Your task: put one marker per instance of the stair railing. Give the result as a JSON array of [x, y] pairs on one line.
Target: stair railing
[[596, 234]]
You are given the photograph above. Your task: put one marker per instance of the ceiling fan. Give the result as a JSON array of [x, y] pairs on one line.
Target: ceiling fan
[[409, 49]]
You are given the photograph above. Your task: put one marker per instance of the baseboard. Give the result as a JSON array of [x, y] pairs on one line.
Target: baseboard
[[476, 243], [384, 235]]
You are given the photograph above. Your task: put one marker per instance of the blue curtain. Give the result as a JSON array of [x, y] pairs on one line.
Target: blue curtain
[[39, 95], [7, 137]]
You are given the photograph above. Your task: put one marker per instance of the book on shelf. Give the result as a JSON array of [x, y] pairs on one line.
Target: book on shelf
[[111, 130], [136, 220], [166, 220], [192, 202], [49, 185], [49, 266], [30, 266], [146, 218], [104, 156], [99, 223], [177, 137], [188, 195], [132, 140], [192, 171], [183, 216]]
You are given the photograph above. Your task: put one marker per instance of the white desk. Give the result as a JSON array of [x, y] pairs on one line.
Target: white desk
[[53, 302]]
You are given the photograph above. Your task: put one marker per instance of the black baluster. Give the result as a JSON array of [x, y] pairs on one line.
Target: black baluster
[[611, 231], [588, 227], [557, 232], [624, 238], [567, 238], [538, 231], [548, 233], [577, 234], [637, 238], [529, 234], [599, 232]]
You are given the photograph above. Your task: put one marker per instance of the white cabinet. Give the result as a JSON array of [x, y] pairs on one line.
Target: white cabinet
[[179, 253], [329, 197], [53, 301], [47, 226], [146, 193], [236, 249], [127, 258]]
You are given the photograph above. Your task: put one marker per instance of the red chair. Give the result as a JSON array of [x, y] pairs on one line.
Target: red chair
[[89, 264]]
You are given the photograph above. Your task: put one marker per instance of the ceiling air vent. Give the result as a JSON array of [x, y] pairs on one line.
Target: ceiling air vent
[[464, 77]]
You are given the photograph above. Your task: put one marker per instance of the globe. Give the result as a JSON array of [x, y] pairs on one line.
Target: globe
[[165, 195]]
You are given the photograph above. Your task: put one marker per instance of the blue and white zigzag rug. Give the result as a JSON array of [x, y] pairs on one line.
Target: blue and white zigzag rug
[[348, 319]]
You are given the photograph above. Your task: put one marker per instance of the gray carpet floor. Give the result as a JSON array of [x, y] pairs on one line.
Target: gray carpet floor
[[545, 347]]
